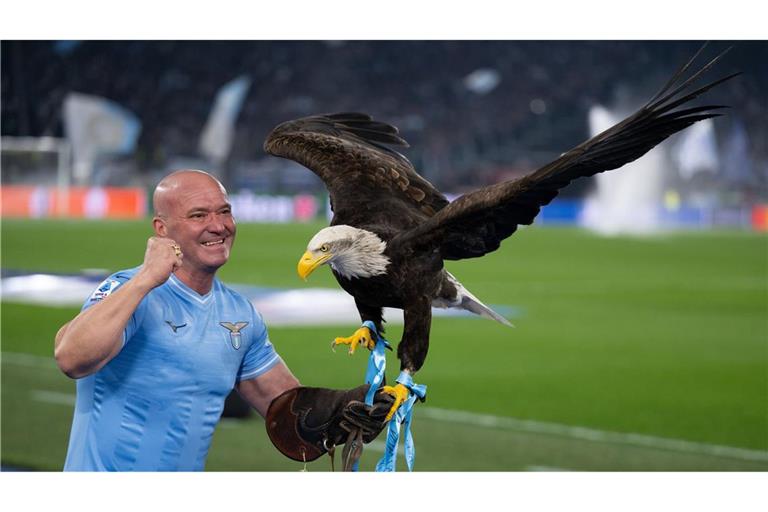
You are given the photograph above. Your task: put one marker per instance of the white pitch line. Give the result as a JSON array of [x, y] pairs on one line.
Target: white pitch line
[[518, 425], [53, 397], [30, 360], [544, 468], [588, 434]]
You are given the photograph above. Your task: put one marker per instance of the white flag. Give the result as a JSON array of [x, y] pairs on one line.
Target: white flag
[[96, 126], [219, 131]]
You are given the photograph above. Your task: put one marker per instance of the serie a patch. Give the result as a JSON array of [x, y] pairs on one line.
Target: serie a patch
[[104, 289]]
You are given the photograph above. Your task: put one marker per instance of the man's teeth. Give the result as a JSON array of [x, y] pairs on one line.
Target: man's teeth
[[215, 242]]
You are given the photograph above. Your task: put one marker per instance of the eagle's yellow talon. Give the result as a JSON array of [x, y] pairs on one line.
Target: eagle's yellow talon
[[400, 393], [361, 337]]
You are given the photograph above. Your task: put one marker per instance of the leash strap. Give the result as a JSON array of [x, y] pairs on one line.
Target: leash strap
[[377, 363], [374, 375], [403, 417]]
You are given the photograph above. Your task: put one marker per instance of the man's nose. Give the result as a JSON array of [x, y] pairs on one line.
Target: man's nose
[[217, 224]]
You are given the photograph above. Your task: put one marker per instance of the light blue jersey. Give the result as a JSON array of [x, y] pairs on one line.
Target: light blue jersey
[[154, 406]]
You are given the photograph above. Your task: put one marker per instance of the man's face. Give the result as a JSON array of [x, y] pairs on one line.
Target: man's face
[[200, 220]]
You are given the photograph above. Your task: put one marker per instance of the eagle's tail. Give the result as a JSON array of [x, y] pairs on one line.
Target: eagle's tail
[[473, 305], [465, 300]]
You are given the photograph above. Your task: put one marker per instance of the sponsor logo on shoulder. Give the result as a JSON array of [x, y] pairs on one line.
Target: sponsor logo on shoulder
[[234, 332], [104, 289]]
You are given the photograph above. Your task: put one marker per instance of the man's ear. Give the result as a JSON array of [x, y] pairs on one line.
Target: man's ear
[[159, 226]]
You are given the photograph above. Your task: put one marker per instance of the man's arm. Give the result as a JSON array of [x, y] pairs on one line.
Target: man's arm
[[90, 340], [260, 391], [303, 423]]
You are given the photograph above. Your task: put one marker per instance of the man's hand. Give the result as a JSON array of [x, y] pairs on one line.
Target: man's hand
[[370, 419], [95, 336], [162, 257], [304, 423]]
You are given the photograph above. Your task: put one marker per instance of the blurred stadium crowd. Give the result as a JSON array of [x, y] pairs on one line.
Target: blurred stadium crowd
[[474, 112]]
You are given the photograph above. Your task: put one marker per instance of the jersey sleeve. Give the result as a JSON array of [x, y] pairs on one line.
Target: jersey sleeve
[[105, 289], [261, 355]]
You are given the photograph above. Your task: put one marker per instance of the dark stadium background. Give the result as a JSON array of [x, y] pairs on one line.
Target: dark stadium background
[[458, 139]]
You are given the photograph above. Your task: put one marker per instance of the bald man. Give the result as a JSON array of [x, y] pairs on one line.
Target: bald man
[[157, 348]]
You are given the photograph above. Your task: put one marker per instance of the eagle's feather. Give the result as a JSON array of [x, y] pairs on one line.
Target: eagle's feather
[[375, 188]]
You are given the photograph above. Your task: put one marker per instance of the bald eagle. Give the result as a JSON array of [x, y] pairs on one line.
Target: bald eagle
[[392, 230]]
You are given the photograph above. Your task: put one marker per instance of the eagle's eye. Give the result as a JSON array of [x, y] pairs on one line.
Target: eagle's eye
[[324, 247]]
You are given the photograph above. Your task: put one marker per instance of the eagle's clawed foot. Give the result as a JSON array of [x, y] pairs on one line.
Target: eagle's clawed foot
[[400, 393], [362, 336]]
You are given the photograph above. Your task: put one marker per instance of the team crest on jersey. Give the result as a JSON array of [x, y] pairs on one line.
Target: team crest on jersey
[[104, 289], [234, 332]]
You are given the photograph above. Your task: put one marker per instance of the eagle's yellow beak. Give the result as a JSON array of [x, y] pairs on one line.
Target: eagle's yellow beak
[[308, 263]]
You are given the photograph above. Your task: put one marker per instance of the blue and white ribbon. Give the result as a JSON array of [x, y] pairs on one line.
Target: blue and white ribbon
[[377, 363], [403, 417], [374, 375]]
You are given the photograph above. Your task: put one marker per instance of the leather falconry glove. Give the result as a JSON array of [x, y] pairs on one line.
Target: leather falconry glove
[[304, 422]]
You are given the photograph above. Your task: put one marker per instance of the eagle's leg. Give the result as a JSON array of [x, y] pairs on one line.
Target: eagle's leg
[[363, 336], [412, 350], [400, 393]]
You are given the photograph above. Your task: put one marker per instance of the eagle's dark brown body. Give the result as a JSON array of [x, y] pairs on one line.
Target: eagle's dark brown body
[[412, 282], [376, 189]]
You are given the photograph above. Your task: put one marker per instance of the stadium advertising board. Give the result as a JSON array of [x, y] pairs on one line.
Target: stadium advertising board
[[78, 202], [22, 201]]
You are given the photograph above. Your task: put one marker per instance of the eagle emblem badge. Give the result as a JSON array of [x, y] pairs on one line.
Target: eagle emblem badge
[[234, 332]]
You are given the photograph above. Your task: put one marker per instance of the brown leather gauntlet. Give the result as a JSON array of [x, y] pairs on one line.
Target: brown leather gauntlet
[[304, 423]]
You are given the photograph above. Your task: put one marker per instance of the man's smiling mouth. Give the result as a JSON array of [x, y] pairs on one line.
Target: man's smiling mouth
[[213, 242]]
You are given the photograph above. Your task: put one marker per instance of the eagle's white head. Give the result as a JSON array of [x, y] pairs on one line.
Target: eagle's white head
[[351, 252]]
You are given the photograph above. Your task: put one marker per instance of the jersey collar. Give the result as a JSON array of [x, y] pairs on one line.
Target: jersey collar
[[191, 294]]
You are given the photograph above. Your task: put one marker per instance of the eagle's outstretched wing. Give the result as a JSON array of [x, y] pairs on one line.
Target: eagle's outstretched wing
[[476, 223], [349, 152]]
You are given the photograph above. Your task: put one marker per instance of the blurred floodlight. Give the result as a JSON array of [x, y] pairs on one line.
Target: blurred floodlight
[[696, 150], [538, 106], [482, 81]]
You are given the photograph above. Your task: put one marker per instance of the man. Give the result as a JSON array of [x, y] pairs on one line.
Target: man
[[157, 348]]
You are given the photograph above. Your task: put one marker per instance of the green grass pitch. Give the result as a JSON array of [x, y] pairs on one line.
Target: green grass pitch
[[655, 348]]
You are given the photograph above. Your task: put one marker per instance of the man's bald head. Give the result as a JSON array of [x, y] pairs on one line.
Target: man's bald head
[[193, 211], [171, 188]]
